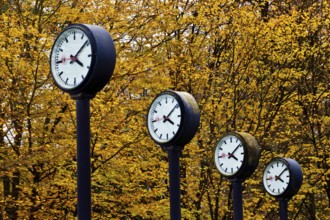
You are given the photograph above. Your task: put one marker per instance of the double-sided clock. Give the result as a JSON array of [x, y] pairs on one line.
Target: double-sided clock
[[282, 177], [82, 60], [236, 155], [173, 118]]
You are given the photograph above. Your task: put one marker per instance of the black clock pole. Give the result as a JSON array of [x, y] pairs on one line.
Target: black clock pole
[[96, 45], [174, 175], [83, 158], [237, 199], [283, 208]]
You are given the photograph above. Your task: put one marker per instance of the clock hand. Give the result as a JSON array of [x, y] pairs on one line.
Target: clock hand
[[63, 60], [81, 48], [279, 176], [232, 153], [172, 110], [156, 119], [167, 119], [75, 59]]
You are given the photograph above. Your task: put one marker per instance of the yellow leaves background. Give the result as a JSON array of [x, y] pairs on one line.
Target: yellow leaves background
[[255, 66]]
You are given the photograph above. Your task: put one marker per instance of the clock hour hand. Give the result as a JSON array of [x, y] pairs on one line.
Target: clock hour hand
[[75, 59], [232, 155], [279, 176], [167, 119]]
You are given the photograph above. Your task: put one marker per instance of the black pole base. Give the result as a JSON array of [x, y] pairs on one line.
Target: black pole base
[[174, 173], [237, 199], [83, 159]]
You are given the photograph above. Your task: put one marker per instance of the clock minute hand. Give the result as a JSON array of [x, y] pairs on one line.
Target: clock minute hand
[[172, 110], [167, 118], [279, 176], [81, 48], [232, 153]]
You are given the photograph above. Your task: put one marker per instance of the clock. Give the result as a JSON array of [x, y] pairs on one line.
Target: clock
[[173, 118], [282, 177], [82, 59], [236, 155]]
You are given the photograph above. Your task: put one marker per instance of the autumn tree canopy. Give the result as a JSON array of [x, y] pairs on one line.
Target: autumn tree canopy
[[257, 66]]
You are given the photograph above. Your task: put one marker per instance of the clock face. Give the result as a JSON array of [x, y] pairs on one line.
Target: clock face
[[276, 177], [164, 118], [71, 58], [229, 155]]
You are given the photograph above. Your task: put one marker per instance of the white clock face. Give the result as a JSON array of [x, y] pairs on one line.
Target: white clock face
[[276, 177], [229, 155], [164, 118], [71, 58]]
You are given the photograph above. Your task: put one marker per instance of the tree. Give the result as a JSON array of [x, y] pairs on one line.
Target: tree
[[254, 66]]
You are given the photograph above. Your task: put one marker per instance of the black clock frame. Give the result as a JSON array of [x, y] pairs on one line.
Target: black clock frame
[[252, 153], [296, 177], [190, 118], [102, 64]]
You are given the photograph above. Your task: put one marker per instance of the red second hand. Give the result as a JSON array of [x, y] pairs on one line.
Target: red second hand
[[64, 59]]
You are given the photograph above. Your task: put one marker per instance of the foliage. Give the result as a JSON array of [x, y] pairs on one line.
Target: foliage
[[256, 66]]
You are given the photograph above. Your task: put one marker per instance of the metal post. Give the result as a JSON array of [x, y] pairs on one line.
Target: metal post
[[174, 172], [83, 159], [237, 199], [283, 208]]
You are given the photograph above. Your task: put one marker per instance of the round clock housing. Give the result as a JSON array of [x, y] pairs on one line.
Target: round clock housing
[[282, 177], [82, 59], [236, 155], [173, 118]]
